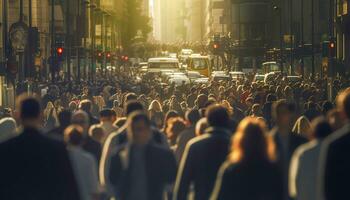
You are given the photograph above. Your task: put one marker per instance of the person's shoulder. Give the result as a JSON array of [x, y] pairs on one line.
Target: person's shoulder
[[198, 140], [340, 136]]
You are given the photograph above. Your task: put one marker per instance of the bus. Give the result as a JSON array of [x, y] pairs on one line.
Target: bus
[[199, 64], [268, 67]]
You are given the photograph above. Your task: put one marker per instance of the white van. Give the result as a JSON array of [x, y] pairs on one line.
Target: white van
[[158, 65]]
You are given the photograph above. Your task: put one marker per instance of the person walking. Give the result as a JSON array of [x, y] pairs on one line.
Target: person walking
[[250, 171], [203, 156], [34, 166], [142, 169]]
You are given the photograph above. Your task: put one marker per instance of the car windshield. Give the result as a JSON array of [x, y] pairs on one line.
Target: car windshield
[[199, 63], [164, 65]]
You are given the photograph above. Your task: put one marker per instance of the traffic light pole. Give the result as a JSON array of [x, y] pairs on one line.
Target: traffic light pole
[[53, 57], [312, 40], [68, 42]]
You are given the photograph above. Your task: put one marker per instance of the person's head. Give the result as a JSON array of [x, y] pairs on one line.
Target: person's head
[[175, 127], [130, 97], [29, 111], [139, 128], [217, 116], [252, 143], [326, 107], [132, 106], [49, 105], [302, 127], [108, 115], [283, 114], [256, 109], [8, 128], [201, 125], [74, 135], [155, 106], [72, 106], [270, 98], [85, 105], [97, 133], [192, 116], [81, 118], [202, 100], [334, 118], [343, 104], [228, 106], [115, 103], [64, 118], [320, 128]]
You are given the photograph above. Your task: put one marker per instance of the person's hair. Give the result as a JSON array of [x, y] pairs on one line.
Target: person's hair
[[29, 107], [86, 105], [252, 143], [321, 128], [132, 106], [280, 107], [217, 116], [94, 130], [108, 113], [170, 114], [115, 103], [64, 118], [270, 98], [228, 106], [175, 127], [72, 105], [192, 116], [326, 107], [343, 102], [301, 126], [130, 97], [73, 134], [201, 125], [78, 121], [155, 106], [136, 117]]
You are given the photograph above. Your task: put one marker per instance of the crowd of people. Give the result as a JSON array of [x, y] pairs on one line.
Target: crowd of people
[[131, 137]]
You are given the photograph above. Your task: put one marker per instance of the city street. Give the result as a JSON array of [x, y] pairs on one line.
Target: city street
[[174, 99]]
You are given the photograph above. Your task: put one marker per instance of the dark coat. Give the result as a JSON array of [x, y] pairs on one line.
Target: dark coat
[[93, 147], [160, 171], [248, 181], [200, 163], [283, 158], [335, 153], [36, 167]]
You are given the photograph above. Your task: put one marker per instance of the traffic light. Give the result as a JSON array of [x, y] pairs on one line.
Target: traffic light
[[108, 57], [332, 48], [99, 56], [216, 46], [59, 51]]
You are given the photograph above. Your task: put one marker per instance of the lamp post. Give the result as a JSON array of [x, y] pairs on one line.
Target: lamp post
[[278, 10]]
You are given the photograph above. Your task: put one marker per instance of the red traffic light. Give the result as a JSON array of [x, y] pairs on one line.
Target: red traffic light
[[99, 54], [332, 45], [126, 58], [216, 46], [59, 51], [108, 55]]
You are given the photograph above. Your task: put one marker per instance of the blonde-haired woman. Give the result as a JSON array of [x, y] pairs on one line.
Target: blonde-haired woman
[[250, 171], [228, 106], [50, 116], [302, 127], [155, 112]]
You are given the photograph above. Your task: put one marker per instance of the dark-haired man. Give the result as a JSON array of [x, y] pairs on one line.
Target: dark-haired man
[[32, 165], [203, 156], [142, 169]]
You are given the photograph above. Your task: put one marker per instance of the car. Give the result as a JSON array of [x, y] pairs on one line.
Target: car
[[157, 65], [193, 75], [201, 81], [220, 75], [178, 80], [237, 75], [259, 77]]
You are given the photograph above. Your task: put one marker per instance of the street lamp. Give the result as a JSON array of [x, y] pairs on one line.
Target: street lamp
[[278, 10]]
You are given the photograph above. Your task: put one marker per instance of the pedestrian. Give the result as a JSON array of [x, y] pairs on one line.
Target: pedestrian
[[302, 127], [305, 162], [8, 129], [107, 119], [149, 167], [250, 171], [86, 106], [84, 164], [199, 165], [64, 120], [34, 166], [201, 126], [334, 163], [192, 116]]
